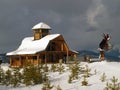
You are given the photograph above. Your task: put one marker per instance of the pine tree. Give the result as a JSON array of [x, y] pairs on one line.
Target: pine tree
[[74, 69], [103, 77], [84, 82], [53, 68], [75, 72], [7, 78], [70, 79], [45, 77], [87, 71], [27, 63], [113, 85], [47, 85], [37, 76], [45, 68], [32, 75], [59, 88], [2, 75], [16, 78], [27, 75], [40, 65], [60, 67]]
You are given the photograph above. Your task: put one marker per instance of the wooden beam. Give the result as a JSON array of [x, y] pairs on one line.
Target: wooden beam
[[61, 46], [37, 59], [10, 60], [67, 56], [20, 60], [45, 58]]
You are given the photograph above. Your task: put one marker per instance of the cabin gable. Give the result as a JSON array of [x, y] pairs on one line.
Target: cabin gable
[[57, 44]]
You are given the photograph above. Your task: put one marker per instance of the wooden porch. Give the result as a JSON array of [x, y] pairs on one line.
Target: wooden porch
[[42, 57]]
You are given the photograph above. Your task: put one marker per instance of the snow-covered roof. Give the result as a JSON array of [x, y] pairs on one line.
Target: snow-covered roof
[[31, 46], [74, 51], [41, 25]]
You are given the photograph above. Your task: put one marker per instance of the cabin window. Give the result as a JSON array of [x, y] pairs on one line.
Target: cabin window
[[34, 57], [51, 47], [45, 31], [23, 57], [16, 57], [37, 31]]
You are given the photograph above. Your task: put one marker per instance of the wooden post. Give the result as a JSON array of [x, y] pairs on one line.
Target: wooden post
[[53, 61], [20, 61], [67, 57], [61, 46], [45, 58], [38, 59], [10, 61]]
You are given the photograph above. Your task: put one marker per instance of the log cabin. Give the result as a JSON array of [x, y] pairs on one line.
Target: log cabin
[[43, 47]]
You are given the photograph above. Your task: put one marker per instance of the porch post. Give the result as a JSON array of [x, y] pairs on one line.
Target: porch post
[[45, 58], [38, 59], [67, 57], [20, 60], [10, 60], [61, 46]]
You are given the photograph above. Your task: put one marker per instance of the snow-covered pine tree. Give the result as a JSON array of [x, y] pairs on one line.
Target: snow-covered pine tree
[[16, 77], [47, 85], [74, 69], [45, 77], [87, 71], [113, 85], [7, 79], [70, 79], [32, 75], [58, 87], [37, 76], [103, 77], [27, 75], [45, 68], [2, 76], [40, 65], [60, 67], [84, 82], [53, 68]]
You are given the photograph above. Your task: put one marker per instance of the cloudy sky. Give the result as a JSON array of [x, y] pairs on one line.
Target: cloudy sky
[[81, 22]]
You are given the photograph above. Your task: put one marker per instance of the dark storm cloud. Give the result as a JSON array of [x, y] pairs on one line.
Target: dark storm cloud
[[91, 29], [76, 20]]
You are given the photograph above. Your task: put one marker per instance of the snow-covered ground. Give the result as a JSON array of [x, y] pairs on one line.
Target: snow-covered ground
[[94, 83]]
